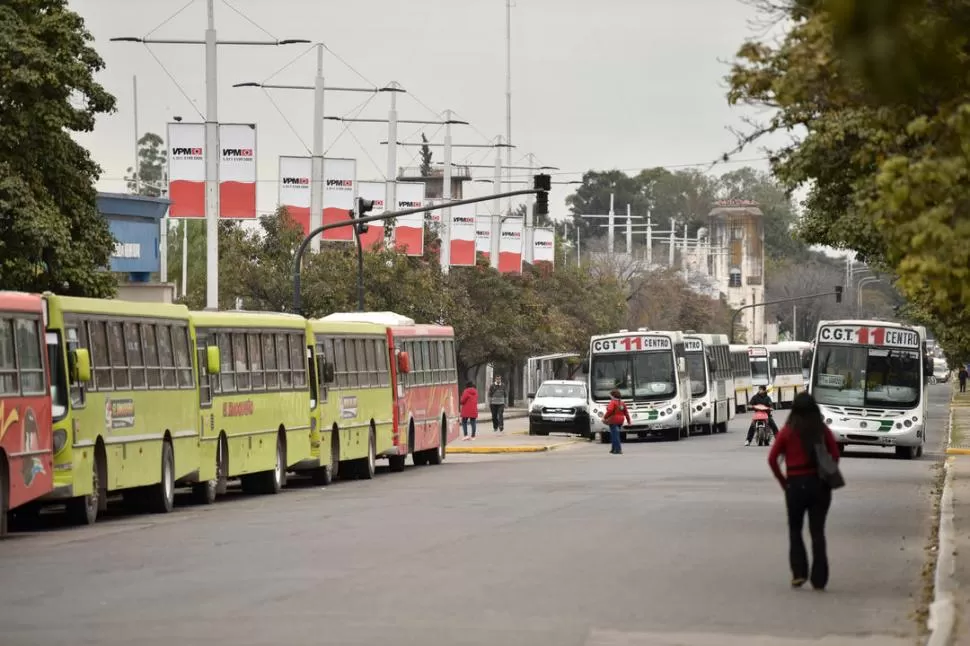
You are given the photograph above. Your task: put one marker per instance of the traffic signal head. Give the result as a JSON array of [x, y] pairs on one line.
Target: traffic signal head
[[838, 293], [542, 182], [363, 208], [542, 203]]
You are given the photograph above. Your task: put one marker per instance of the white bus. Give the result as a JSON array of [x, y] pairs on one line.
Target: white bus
[[868, 379], [786, 365], [650, 371], [741, 367], [760, 367], [711, 382]]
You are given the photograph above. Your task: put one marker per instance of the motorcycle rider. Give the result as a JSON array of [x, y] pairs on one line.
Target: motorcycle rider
[[761, 398]]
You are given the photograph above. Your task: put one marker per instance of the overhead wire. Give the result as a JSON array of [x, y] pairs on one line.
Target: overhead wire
[[169, 19], [175, 82], [292, 128], [250, 20]]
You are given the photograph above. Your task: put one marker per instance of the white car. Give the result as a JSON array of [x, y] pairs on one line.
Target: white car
[[559, 407]]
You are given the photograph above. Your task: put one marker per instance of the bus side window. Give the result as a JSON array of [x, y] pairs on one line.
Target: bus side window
[[73, 342], [269, 362], [98, 339], [202, 362], [9, 384]]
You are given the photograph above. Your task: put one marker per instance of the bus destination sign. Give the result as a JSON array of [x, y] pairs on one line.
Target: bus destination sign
[[631, 344], [693, 345], [758, 352], [864, 335]]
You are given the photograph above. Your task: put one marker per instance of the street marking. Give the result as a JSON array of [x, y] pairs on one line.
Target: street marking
[[617, 638]]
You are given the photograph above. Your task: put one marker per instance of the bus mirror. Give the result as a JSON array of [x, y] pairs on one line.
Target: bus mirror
[[774, 363], [212, 363], [681, 364], [81, 365], [403, 363]]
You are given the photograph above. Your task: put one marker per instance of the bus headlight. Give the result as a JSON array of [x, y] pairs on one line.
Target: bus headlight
[[60, 440], [828, 421], [907, 423], [669, 411]]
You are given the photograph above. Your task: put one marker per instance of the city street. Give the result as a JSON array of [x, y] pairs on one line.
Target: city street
[[671, 543]]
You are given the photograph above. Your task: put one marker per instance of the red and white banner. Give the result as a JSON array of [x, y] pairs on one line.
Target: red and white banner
[[237, 170], [294, 189], [186, 170], [510, 247], [463, 235], [375, 191], [483, 234], [409, 229], [339, 196], [543, 246]]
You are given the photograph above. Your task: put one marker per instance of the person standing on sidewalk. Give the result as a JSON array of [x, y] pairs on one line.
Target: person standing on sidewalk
[[615, 415], [962, 376], [805, 491], [469, 410], [497, 398]]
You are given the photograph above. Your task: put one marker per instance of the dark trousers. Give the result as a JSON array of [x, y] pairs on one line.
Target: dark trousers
[[465, 421], [808, 494], [498, 417], [771, 425], [615, 439], [963, 385]]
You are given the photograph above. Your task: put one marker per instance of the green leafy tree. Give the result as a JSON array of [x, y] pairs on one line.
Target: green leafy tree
[[152, 159], [426, 167], [51, 234]]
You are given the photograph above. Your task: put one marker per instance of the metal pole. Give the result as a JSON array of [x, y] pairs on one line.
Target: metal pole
[[495, 239], [529, 237], [508, 94], [794, 323], [316, 162], [579, 253], [390, 186], [360, 272], [212, 155], [629, 231], [673, 243], [610, 233], [649, 240], [185, 257], [137, 167], [445, 254]]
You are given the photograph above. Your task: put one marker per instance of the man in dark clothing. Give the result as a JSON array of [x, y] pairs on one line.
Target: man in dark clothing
[[761, 398], [962, 376], [497, 398]]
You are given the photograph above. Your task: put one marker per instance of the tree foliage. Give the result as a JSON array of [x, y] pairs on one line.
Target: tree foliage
[[882, 92], [152, 158], [51, 234]]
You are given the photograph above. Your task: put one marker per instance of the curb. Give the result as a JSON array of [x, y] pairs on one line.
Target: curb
[[942, 612], [508, 449], [957, 451]]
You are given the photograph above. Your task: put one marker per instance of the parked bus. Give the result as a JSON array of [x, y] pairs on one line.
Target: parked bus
[[26, 438], [868, 379], [353, 402], [650, 371], [741, 368], [254, 396], [124, 403], [424, 376], [787, 379], [711, 382]]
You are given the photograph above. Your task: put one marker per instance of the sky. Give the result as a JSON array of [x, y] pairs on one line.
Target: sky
[[625, 84]]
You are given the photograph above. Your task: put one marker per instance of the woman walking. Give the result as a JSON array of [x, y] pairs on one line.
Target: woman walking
[[616, 413], [469, 410], [805, 492], [497, 397]]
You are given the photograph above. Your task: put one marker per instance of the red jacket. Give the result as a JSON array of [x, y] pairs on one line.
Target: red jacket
[[616, 413], [797, 463], [469, 403]]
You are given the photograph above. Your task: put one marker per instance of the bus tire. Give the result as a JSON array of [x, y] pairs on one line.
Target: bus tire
[[326, 474], [604, 438], [396, 463], [84, 510], [685, 432], [368, 465], [4, 496], [722, 427], [161, 496], [268, 482], [437, 454], [905, 452], [675, 435]]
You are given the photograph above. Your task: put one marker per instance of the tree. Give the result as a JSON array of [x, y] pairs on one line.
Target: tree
[[426, 168], [51, 234], [152, 159]]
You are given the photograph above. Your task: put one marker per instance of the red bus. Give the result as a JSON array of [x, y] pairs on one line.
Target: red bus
[[26, 442], [426, 397]]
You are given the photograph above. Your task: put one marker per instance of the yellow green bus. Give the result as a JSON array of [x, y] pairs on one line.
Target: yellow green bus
[[124, 402], [353, 402], [253, 397]]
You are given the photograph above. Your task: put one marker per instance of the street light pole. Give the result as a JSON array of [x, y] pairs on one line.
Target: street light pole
[[316, 161], [444, 254]]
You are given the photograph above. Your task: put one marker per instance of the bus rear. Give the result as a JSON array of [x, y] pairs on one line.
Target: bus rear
[[868, 379], [26, 444], [711, 381], [741, 367]]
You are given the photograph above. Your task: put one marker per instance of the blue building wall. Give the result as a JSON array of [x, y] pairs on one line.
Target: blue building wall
[[134, 222]]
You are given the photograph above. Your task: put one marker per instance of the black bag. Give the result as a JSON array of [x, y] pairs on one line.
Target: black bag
[[828, 469]]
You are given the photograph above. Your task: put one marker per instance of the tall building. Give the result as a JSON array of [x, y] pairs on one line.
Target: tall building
[[434, 183], [737, 226]]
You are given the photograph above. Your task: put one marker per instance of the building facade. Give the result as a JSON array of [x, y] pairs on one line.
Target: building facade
[[737, 228], [135, 222]]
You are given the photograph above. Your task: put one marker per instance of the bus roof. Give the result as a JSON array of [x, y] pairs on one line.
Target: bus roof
[[709, 339], [115, 307], [673, 334], [231, 318], [20, 302], [872, 323], [790, 345], [322, 326], [387, 319], [738, 347]]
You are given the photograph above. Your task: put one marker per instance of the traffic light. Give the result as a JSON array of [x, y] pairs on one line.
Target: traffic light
[[363, 208], [838, 293], [542, 183]]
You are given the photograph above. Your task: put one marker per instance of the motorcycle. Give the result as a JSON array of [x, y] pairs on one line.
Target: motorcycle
[[762, 432]]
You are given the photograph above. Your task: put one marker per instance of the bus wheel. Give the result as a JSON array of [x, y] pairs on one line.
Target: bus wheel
[[161, 496], [905, 452], [268, 482], [675, 434], [368, 466], [604, 438], [4, 497], [328, 473], [396, 463], [83, 510], [437, 454]]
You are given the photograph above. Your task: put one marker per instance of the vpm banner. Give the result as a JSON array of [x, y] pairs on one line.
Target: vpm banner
[[339, 196], [409, 229], [543, 246], [510, 247], [463, 235], [237, 170], [294, 189], [186, 170], [483, 234], [375, 191]]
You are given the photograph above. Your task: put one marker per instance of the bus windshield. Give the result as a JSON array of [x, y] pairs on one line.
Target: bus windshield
[[698, 378], [759, 370], [643, 376], [867, 377]]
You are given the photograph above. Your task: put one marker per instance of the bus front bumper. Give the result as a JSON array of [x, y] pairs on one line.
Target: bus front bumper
[[854, 434]]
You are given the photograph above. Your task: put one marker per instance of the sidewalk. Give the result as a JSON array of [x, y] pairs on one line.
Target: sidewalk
[[489, 442], [485, 414], [951, 604]]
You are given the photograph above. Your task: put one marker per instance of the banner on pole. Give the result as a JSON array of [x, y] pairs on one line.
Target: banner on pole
[[294, 189], [463, 235], [237, 170], [510, 247], [543, 246], [339, 196], [409, 229], [483, 234], [375, 191], [186, 170]]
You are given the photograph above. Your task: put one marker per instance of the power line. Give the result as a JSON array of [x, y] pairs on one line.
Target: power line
[[637, 169], [170, 18], [286, 66], [287, 121], [177, 84], [250, 20]]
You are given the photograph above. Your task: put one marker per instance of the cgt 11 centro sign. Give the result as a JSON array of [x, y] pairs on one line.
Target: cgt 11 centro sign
[[631, 344], [866, 335]]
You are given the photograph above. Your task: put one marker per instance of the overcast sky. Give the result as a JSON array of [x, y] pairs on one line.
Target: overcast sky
[[623, 84]]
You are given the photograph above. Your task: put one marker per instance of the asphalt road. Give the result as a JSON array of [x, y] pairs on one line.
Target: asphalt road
[[671, 543]]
